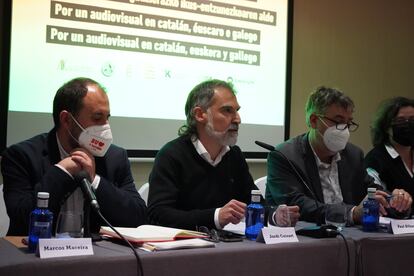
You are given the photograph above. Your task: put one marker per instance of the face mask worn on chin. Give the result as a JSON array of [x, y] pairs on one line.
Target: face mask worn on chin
[[334, 139], [96, 139], [403, 134]]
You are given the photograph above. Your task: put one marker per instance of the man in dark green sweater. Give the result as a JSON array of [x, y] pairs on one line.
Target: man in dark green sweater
[[201, 178]]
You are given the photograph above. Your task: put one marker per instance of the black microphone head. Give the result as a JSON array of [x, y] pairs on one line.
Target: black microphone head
[[81, 175], [265, 146]]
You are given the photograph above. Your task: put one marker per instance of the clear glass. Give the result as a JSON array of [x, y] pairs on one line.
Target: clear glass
[[279, 216], [336, 214], [69, 225]]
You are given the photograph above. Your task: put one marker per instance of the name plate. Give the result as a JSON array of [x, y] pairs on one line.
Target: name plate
[[402, 226], [52, 248], [272, 235]]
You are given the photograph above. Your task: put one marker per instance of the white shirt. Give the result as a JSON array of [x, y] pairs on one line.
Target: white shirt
[[201, 150], [74, 203], [328, 174], [394, 154], [329, 177]]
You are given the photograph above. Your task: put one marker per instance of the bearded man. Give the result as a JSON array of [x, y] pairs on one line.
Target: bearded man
[[202, 178]]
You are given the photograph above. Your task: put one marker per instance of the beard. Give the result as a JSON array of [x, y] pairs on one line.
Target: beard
[[227, 137]]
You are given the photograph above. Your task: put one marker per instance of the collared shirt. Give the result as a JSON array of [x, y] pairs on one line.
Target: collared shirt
[[394, 154], [201, 150], [74, 203], [328, 174]]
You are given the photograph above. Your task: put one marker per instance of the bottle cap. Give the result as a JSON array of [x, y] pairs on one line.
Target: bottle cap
[[256, 192], [43, 195], [372, 190]]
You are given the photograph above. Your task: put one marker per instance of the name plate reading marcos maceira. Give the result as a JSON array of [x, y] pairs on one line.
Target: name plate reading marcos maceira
[[402, 226], [274, 235], [52, 248]]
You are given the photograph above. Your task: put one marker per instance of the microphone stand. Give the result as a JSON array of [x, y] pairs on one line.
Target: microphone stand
[[91, 202], [87, 219], [318, 231]]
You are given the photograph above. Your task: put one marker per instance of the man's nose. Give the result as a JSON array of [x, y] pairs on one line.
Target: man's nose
[[237, 118]]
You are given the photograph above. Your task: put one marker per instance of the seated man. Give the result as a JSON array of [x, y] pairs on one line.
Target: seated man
[[201, 178], [48, 163], [327, 169]]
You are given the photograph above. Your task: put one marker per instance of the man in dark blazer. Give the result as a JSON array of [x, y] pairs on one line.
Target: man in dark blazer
[[320, 169], [80, 141]]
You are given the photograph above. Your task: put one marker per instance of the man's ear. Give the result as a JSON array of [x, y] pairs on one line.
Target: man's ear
[[200, 115], [64, 118], [313, 120]]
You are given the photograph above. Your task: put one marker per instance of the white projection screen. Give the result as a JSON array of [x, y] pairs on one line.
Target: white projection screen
[[149, 54]]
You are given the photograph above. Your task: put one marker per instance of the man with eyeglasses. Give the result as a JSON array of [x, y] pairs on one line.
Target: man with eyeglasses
[[323, 169]]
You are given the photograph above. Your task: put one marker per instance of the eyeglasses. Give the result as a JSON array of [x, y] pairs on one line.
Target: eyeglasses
[[341, 126], [212, 234]]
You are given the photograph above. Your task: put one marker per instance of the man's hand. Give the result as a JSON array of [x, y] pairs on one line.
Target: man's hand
[[401, 200], [381, 197], [234, 211], [286, 215], [85, 160], [71, 166]]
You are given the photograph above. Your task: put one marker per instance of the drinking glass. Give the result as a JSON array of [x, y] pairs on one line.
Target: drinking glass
[[336, 214], [69, 225], [280, 216]]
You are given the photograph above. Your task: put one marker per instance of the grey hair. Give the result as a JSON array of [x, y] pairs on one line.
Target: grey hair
[[200, 96], [322, 98]]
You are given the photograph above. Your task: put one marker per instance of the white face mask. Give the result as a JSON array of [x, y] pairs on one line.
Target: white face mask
[[96, 139], [334, 139]]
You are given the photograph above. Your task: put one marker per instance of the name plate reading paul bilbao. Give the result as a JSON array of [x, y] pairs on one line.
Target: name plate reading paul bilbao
[[402, 226], [52, 248], [274, 235]]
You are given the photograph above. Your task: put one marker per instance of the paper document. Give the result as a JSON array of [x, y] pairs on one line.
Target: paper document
[[147, 233], [236, 228], [179, 244]]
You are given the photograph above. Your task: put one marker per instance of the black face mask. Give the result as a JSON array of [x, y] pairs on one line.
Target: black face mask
[[403, 133]]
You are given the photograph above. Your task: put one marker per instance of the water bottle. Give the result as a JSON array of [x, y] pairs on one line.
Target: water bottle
[[370, 217], [254, 216], [41, 221]]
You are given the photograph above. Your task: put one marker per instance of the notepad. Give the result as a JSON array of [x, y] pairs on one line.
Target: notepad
[[151, 233]]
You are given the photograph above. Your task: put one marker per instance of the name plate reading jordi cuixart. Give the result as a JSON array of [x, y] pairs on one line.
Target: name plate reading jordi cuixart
[[274, 235], [52, 248], [402, 226]]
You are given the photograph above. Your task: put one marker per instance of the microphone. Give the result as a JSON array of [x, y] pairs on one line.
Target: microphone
[[265, 146], [83, 179], [319, 231], [272, 148]]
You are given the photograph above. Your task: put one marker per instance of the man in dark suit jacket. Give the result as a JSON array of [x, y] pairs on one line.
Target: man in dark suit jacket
[[330, 169], [80, 141]]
